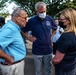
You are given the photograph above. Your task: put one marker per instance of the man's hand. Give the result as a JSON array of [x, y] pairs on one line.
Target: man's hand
[[32, 39], [6, 57], [9, 61]]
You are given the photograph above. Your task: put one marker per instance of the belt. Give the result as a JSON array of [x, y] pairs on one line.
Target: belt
[[12, 63]]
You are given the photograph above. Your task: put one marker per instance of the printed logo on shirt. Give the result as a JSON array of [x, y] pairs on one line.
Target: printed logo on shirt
[[47, 23]]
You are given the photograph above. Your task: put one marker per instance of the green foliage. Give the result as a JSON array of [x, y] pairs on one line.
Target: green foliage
[[27, 5], [3, 12], [1, 4], [66, 5], [53, 8], [56, 7]]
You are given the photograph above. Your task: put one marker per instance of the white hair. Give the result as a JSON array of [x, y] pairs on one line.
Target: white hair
[[17, 11], [39, 4]]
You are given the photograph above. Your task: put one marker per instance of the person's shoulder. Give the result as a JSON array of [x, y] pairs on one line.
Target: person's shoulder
[[7, 28], [33, 17], [67, 35], [10, 25], [49, 17]]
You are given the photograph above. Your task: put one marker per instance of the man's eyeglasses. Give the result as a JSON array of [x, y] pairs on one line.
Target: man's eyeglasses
[[23, 17]]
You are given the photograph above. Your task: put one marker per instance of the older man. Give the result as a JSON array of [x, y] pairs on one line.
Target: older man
[[11, 43]]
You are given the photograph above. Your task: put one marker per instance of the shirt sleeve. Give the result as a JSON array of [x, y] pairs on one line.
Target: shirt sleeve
[[54, 26], [63, 44], [6, 37]]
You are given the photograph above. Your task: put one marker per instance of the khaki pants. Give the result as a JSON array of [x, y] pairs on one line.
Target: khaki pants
[[15, 69]]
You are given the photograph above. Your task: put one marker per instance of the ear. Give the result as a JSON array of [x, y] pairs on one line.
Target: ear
[[17, 18]]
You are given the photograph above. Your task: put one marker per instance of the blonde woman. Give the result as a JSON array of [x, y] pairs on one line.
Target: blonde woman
[[65, 56]]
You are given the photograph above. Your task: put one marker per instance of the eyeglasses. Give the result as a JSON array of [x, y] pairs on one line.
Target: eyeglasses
[[62, 19], [23, 17]]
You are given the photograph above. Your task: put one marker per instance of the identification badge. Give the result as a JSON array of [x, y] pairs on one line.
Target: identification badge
[[47, 23]]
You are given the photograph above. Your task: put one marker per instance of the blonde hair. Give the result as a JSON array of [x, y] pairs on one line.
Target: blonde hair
[[70, 14]]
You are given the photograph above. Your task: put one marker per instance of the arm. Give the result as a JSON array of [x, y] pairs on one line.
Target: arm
[[32, 39], [58, 57], [6, 57], [5, 40], [53, 33]]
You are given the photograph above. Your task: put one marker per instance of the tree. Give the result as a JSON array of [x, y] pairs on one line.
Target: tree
[[3, 12], [70, 4], [53, 6], [1, 4], [27, 5]]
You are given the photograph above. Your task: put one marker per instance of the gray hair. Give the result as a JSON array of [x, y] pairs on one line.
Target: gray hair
[[39, 4], [17, 11]]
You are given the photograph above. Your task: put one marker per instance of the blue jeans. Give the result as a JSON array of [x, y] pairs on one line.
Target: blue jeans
[[39, 60]]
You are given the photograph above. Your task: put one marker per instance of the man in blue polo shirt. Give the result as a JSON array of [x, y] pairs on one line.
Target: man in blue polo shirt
[[41, 26], [11, 43]]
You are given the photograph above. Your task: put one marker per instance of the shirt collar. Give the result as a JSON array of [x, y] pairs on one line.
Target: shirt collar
[[14, 24]]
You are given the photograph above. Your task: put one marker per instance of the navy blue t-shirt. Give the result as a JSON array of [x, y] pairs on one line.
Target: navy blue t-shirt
[[67, 45], [41, 29]]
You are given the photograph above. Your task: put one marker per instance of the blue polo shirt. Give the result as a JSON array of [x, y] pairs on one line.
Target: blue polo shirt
[[41, 29], [11, 41]]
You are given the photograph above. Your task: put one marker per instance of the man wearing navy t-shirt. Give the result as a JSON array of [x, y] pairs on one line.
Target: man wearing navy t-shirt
[[41, 26]]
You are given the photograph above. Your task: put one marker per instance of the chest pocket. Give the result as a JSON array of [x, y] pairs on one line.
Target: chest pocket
[[46, 26]]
